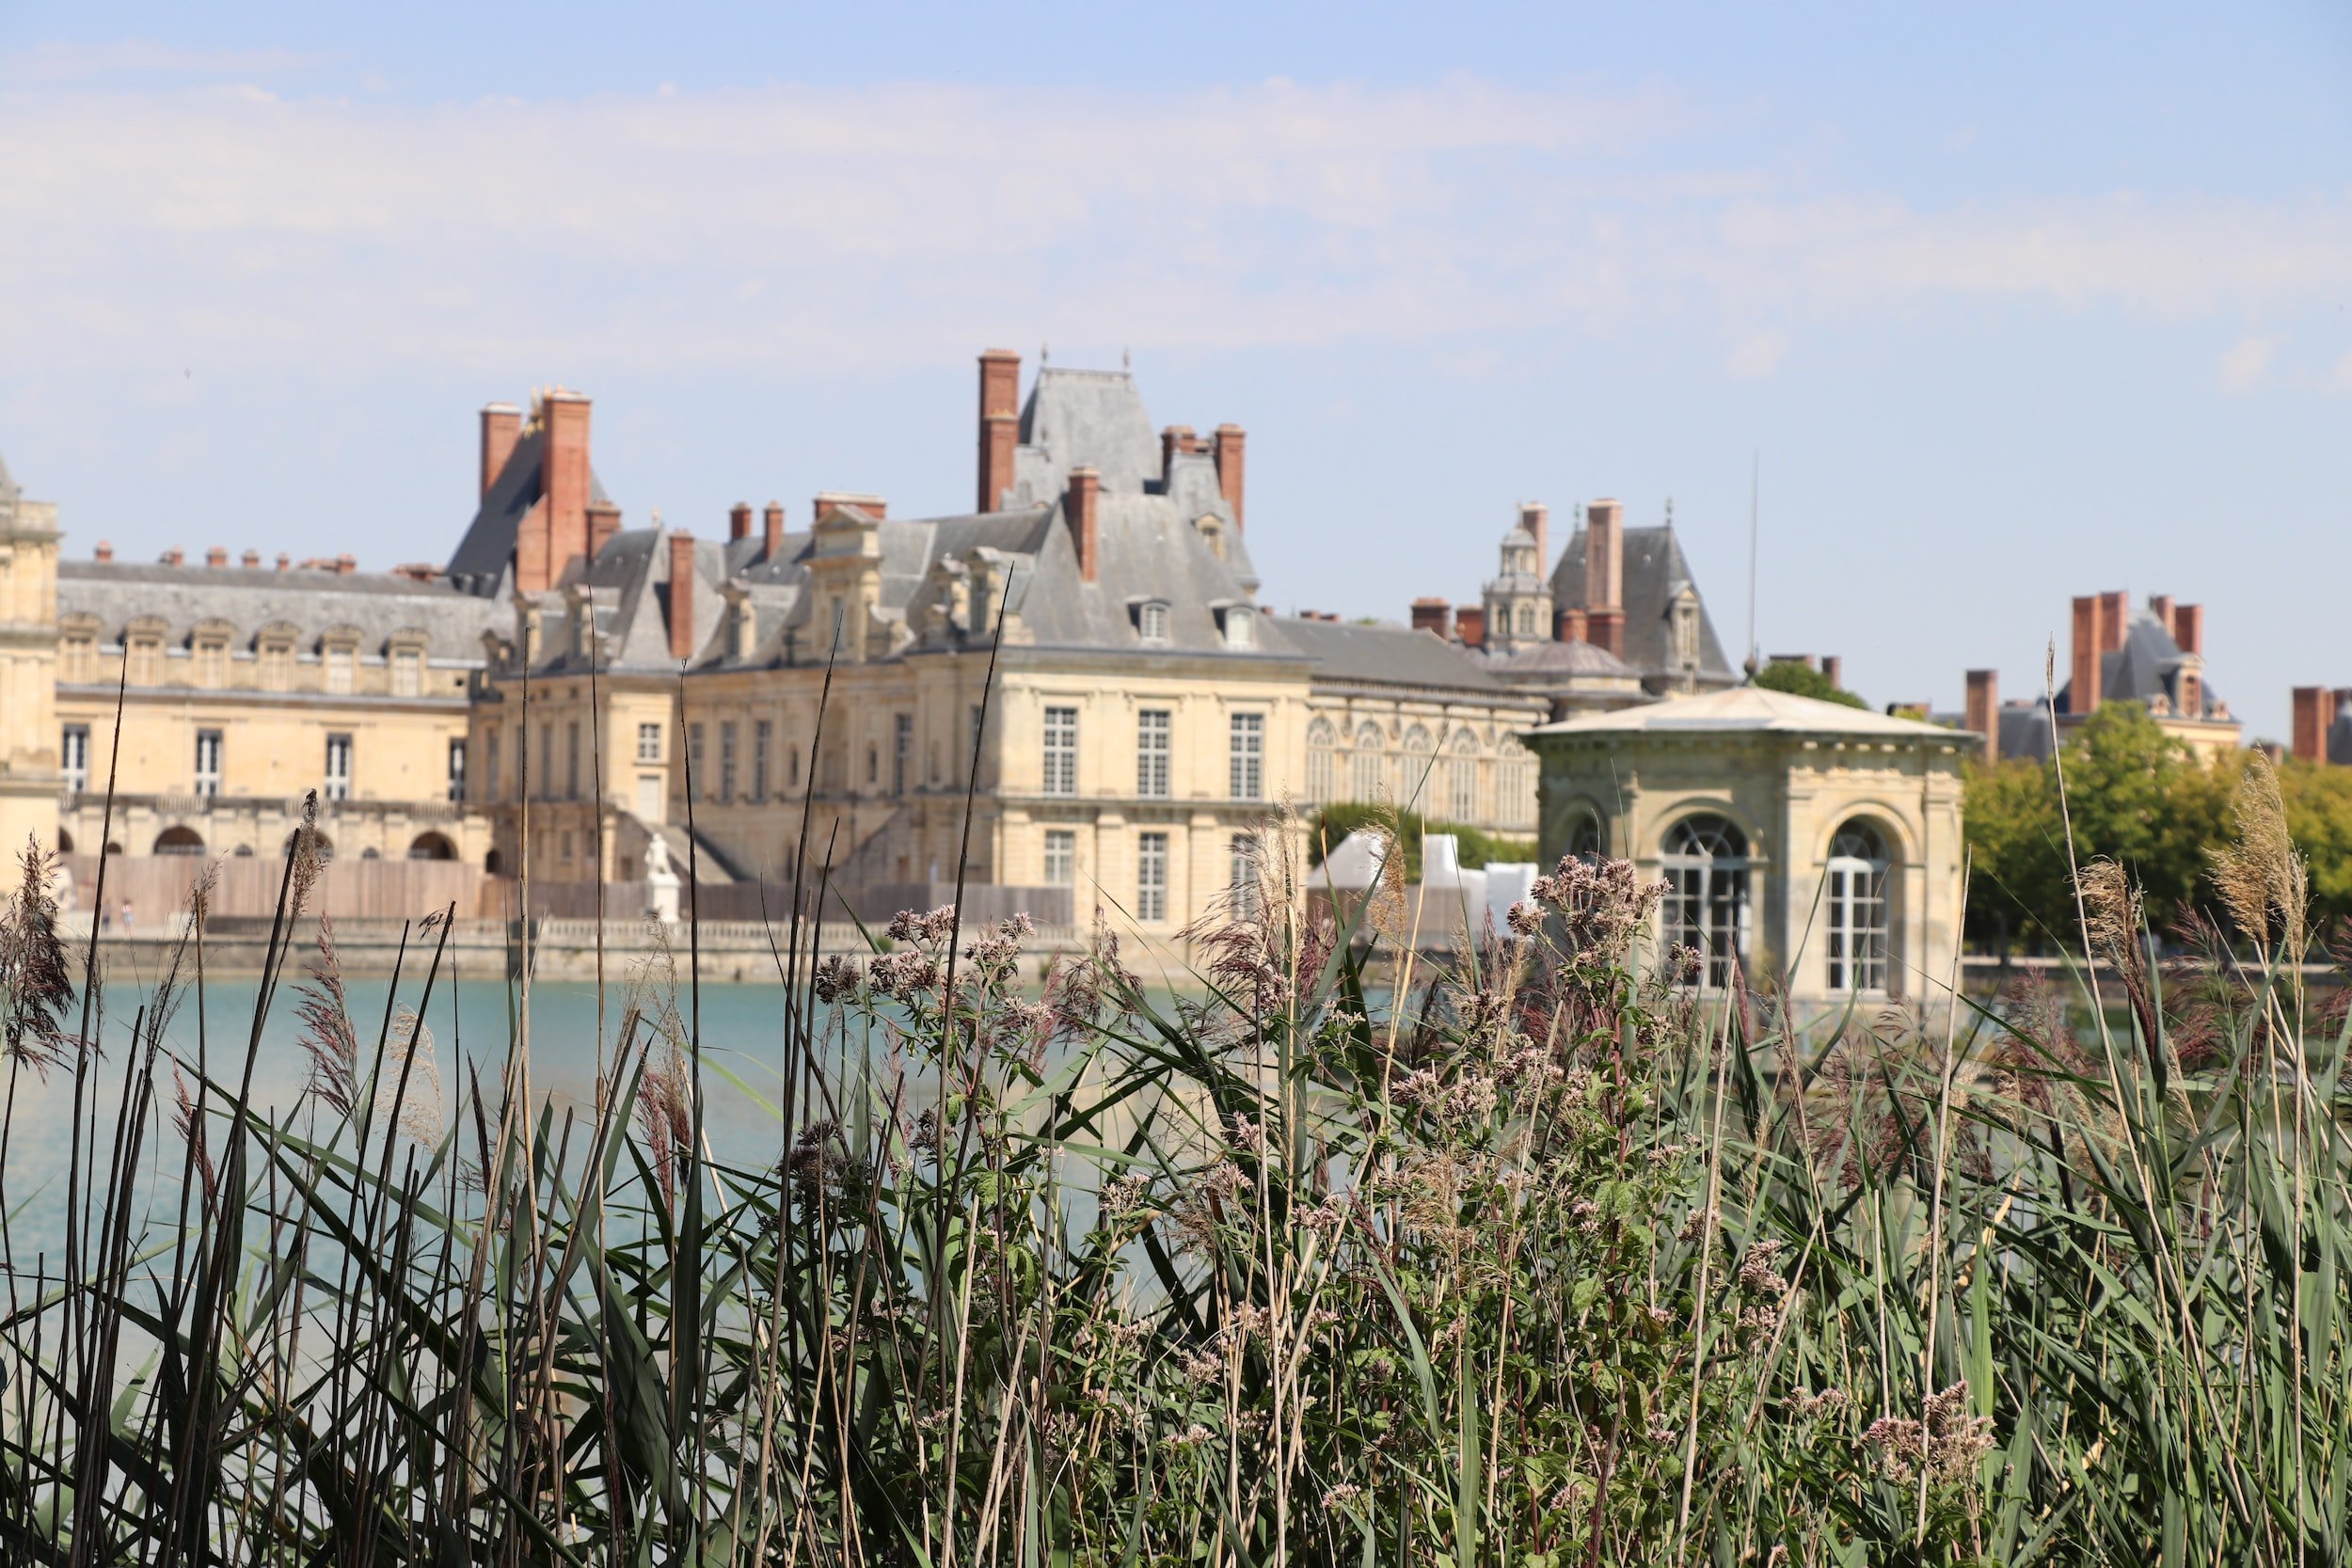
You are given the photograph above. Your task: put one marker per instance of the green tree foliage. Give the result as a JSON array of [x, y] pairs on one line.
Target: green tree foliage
[[2137, 796], [1475, 846], [2319, 815], [1802, 680]]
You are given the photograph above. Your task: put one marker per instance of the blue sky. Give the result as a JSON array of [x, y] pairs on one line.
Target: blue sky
[[2015, 302]]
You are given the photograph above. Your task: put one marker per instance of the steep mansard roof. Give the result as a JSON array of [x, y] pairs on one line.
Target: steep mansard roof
[[1655, 571], [2143, 667], [251, 597], [481, 562], [1389, 655]]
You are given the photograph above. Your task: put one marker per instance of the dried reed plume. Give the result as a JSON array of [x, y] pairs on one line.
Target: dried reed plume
[[34, 976], [2261, 879]]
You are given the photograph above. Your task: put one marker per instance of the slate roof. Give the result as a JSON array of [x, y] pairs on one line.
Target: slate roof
[[1655, 572], [1390, 654], [2340, 738], [1558, 658], [1749, 708], [251, 597], [2144, 666]]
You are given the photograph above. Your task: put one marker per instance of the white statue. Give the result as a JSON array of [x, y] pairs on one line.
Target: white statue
[[661, 883], [657, 856]]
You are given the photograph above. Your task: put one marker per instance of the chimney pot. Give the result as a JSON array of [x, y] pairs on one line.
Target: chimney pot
[[1082, 511], [217, 555], [1469, 625], [1000, 424], [285, 562], [1230, 439], [604, 521], [1434, 615], [346, 565], [682, 595], [1984, 709], [172, 556], [250, 559], [739, 520], [501, 426], [104, 552], [773, 529], [2315, 714]]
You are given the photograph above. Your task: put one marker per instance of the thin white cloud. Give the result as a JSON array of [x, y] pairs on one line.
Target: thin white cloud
[[80, 62], [2247, 363], [686, 229], [1758, 357]]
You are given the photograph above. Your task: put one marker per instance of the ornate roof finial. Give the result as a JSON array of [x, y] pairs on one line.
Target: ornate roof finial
[[1044, 354], [1127, 359]]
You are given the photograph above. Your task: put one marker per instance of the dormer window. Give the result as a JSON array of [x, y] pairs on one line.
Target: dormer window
[[1152, 619], [1241, 627], [1212, 530]]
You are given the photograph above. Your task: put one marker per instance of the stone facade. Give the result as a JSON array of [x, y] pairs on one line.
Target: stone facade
[[1811, 843]]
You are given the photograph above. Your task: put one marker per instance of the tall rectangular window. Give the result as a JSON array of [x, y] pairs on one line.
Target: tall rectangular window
[[726, 761], [208, 763], [547, 761], [1061, 856], [338, 670], [457, 768], [648, 743], [763, 736], [695, 756], [73, 754], [571, 760], [1247, 769], [901, 751], [1151, 876], [490, 765], [339, 767], [1242, 874], [407, 674], [1061, 751], [1152, 736]]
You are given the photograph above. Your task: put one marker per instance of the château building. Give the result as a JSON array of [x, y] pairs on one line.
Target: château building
[[2153, 657]]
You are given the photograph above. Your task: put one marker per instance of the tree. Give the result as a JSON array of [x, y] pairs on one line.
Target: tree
[[2134, 796], [2319, 818], [1802, 680], [1475, 847]]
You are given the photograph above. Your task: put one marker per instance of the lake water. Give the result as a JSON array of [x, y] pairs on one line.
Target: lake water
[[742, 1028]]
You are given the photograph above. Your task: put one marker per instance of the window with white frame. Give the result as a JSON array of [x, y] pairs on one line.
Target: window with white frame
[[1323, 743], [457, 768], [1153, 728], [1245, 767], [1241, 627], [407, 673], [341, 663], [1857, 913], [649, 743], [1243, 890], [1368, 768], [1705, 862], [1061, 751], [207, 757], [1461, 778], [1061, 856], [339, 767], [1151, 876], [74, 757], [1152, 619]]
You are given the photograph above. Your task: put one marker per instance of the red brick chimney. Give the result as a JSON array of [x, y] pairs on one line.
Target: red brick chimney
[[1569, 626], [827, 500], [2188, 627], [252, 560], [1434, 615], [2160, 605], [1000, 424], [2091, 641], [739, 520], [1834, 669], [682, 595], [772, 528], [2115, 615], [501, 427], [104, 553], [1082, 508], [285, 562], [346, 565], [1536, 517], [2314, 712], [173, 557], [1984, 710], [1175, 441], [1604, 575], [1469, 625], [217, 555], [1228, 443], [604, 521]]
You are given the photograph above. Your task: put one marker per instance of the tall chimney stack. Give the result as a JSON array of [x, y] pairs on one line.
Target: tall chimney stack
[[2188, 627], [1000, 424], [739, 520], [2315, 714], [2115, 615], [1834, 671], [555, 531], [1434, 615], [1082, 510], [2090, 641], [501, 426], [1469, 625], [1604, 575], [1569, 625], [2160, 605], [1536, 517], [1984, 710], [772, 528], [604, 521], [682, 595], [1177, 440], [1227, 446]]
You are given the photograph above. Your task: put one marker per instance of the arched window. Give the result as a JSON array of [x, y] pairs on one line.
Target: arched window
[[1857, 910], [1368, 769], [1461, 779], [1586, 840], [1527, 620], [432, 847], [1322, 761], [1707, 893], [179, 841], [1419, 757], [1514, 785]]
